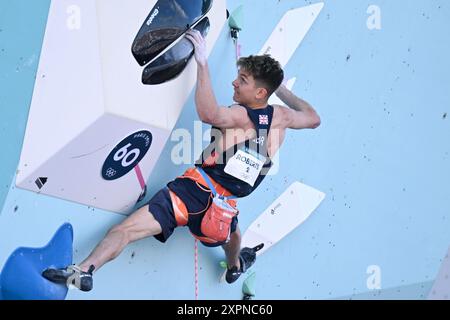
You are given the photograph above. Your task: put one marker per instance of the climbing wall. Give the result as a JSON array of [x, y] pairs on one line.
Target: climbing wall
[[376, 72], [441, 286], [94, 130]]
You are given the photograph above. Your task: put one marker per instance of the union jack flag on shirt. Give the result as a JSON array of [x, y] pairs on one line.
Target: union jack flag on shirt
[[263, 119]]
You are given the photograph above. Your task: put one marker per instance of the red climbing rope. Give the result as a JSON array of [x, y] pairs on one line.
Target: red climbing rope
[[196, 269]]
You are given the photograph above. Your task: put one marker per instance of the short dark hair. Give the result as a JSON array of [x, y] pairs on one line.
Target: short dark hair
[[264, 69]]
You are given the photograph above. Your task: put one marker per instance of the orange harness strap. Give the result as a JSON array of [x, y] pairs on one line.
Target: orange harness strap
[[182, 215], [193, 174], [179, 208]]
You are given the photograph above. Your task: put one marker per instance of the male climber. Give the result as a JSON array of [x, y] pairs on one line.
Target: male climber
[[245, 136]]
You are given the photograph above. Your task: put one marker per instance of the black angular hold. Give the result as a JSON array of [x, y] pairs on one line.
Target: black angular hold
[[167, 21], [169, 65]]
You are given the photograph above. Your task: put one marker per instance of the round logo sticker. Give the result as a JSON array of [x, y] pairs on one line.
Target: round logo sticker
[[126, 155]]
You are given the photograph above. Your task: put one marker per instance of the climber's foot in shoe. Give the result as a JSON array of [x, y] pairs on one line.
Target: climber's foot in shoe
[[234, 273], [71, 275], [247, 258]]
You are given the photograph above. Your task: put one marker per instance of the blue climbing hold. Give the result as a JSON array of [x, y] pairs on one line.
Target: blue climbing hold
[[21, 277]]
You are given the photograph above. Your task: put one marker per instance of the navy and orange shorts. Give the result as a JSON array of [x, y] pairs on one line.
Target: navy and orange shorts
[[197, 200]]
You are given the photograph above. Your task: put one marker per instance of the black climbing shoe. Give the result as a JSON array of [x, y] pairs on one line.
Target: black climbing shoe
[[71, 275], [247, 258]]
